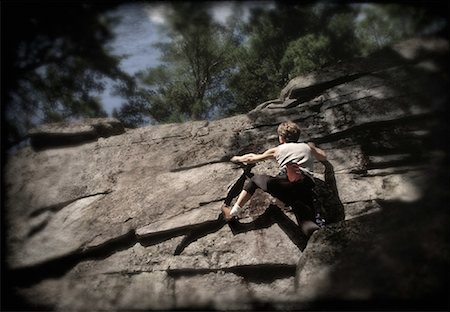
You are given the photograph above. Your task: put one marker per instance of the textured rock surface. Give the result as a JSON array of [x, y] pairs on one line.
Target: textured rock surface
[[395, 257], [132, 221], [65, 133]]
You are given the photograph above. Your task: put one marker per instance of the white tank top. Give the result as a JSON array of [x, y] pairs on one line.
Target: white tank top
[[299, 153]]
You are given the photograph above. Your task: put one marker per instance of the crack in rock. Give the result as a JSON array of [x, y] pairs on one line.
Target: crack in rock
[[256, 273], [59, 266], [59, 206], [339, 135], [221, 160]]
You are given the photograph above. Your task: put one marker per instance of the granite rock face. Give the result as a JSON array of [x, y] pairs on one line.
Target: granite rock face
[[133, 221], [66, 133]]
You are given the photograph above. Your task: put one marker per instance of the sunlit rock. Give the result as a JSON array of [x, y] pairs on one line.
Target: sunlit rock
[[106, 219]]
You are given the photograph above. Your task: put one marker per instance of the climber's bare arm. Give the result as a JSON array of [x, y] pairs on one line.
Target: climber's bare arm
[[318, 153], [254, 158]]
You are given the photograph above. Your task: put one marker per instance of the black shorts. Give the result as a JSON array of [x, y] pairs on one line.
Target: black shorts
[[297, 195]]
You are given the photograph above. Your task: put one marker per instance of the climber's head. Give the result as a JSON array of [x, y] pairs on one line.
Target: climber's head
[[288, 131]]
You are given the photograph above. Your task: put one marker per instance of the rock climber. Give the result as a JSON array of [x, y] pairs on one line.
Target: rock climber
[[293, 185]]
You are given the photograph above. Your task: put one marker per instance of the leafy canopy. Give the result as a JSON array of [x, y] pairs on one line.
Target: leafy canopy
[[56, 59]]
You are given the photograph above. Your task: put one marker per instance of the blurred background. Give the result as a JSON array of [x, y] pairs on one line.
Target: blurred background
[[161, 62]]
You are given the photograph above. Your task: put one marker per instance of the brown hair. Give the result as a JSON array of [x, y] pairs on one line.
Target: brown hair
[[289, 131]]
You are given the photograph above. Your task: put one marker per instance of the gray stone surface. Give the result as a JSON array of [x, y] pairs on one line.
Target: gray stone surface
[[133, 221], [214, 290], [379, 257], [66, 133]]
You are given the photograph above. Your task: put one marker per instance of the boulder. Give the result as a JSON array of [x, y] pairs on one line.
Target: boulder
[[73, 133], [132, 221], [395, 257]]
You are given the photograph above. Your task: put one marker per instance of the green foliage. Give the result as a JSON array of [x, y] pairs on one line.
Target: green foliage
[[56, 60], [343, 39], [135, 112], [259, 75], [385, 24], [252, 84], [329, 45], [64, 93], [56, 57], [198, 58], [285, 41], [306, 54]]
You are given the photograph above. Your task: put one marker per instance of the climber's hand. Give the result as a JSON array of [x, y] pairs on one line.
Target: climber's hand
[[236, 159]]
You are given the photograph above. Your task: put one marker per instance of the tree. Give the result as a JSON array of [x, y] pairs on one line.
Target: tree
[[54, 60], [385, 24], [210, 69], [283, 42], [306, 54], [135, 112], [196, 60]]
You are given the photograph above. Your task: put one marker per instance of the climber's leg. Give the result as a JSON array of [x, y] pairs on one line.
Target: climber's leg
[[308, 227], [298, 196], [252, 183]]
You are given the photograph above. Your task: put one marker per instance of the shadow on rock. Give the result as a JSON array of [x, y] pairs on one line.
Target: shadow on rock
[[201, 231], [328, 202], [396, 258], [272, 215]]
